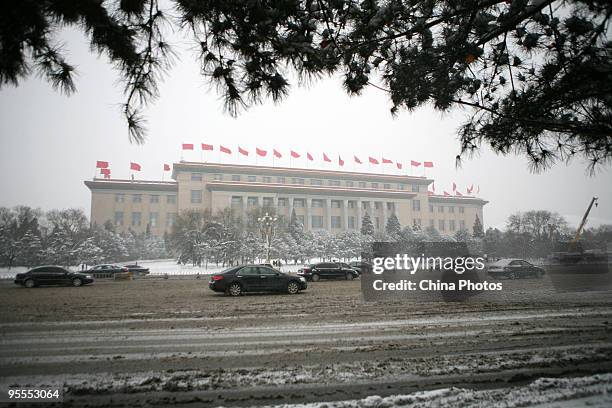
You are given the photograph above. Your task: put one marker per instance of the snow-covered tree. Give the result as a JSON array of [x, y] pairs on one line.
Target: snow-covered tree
[[367, 228], [393, 227]]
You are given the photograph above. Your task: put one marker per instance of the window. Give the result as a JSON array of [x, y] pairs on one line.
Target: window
[[365, 205], [170, 219], [451, 209], [296, 180], [316, 203], [451, 225], [237, 200], [415, 188], [387, 186], [317, 221], [282, 201], [137, 198], [351, 222], [119, 218], [136, 218], [249, 271], [334, 182], [280, 180], [391, 206], [352, 204], [461, 210], [336, 204], [374, 185], [461, 224], [153, 219], [298, 202], [217, 177], [267, 179], [171, 199], [416, 205], [252, 179], [252, 202], [316, 182], [119, 198], [268, 202], [431, 208], [336, 221], [196, 176], [235, 177], [401, 186], [441, 225], [154, 199], [349, 184], [196, 196], [440, 209], [362, 184], [377, 205]]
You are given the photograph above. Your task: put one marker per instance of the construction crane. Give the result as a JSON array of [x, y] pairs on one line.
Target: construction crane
[[583, 222]]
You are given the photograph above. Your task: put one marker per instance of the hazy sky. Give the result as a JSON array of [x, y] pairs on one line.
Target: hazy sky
[[50, 142]]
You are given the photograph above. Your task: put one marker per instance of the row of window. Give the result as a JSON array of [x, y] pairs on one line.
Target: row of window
[[451, 209], [301, 202], [452, 225], [153, 198], [313, 182], [136, 219]]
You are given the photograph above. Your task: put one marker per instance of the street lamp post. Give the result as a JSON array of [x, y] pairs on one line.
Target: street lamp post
[[267, 227]]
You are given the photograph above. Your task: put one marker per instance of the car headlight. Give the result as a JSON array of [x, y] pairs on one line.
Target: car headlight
[[88, 277]]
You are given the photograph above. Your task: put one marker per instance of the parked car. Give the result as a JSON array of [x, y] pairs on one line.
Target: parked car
[[51, 275], [137, 269], [106, 269], [514, 269], [328, 270], [360, 266], [255, 278]]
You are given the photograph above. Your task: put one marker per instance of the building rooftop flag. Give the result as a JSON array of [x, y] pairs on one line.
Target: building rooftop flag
[[135, 166], [224, 149], [372, 160], [101, 164], [428, 164], [399, 165], [415, 163], [261, 152], [309, 156], [243, 151], [105, 171], [207, 146], [325, 158], [277, 154], [357, 160], [386, 161], [446, 194], [187, 146], [340, 161], [295, 155], [454, 186], [166, 167]]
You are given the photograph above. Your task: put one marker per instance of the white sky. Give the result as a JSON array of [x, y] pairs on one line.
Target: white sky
[[50, 142]]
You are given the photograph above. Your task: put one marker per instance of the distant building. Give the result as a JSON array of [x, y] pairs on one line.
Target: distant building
[[322, 199]]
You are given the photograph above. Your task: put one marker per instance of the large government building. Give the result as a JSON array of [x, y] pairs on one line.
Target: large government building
[[322, 199]]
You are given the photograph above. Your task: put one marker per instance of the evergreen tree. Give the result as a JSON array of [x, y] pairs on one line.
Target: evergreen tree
[[477, 229], [393, 227], [367, 228]]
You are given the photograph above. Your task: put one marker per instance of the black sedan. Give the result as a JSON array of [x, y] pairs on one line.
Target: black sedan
[[51, 275], [255, 278], [514, 269], [105, 270], [328, 270], [137, 269]]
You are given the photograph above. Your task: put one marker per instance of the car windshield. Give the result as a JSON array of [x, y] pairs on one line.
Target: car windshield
[[230, 270]]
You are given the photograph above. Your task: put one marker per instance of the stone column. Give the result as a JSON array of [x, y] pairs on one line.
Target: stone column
[[384, 217], [328, 214], [359, 204], [345, 215], [307, 205]]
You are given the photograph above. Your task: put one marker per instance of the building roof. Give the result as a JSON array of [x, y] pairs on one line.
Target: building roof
[[456, 199], [118, 184], [295, 172]]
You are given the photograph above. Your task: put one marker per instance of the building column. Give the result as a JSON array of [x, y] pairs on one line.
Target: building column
[[345, 215], [384, 217], [290, 207], [328, 214], [359, 214], [307, 205]]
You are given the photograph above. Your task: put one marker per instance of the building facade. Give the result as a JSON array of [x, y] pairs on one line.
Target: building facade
[[322, 199]]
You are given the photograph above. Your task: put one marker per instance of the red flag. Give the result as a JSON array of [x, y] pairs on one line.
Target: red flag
[[399, 165], [277, 154], [458, 194], [207, 146], [224, 149], [446, 194], [295, 155], [357, 160], [105, 172], [134, 166], [187, 146], [340, 161], [166, 167], [309, 156], [101, 164], [428, 164], [415, 163], [454, 186], [325, 158], [242, 151], [373, 160], [386, 161], [260, 152]]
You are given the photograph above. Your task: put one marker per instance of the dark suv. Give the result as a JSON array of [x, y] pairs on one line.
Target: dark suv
[[51, 275], [328, 270], [255, 278]]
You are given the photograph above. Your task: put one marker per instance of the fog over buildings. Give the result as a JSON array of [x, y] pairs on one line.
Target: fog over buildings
[[50, 142]]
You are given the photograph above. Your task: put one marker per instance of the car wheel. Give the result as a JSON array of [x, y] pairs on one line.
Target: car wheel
[[315, 277], [29, 283], [235, 289], [293, 288], [77, 282], [349, 276], [512, 275]]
